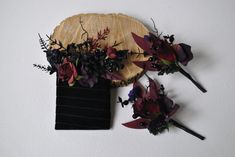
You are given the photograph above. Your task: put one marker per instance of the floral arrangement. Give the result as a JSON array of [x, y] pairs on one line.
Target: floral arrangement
[[164, 55], [152, 109], [85, 62]]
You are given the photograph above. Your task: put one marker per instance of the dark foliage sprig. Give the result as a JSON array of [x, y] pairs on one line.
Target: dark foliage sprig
[[55, 42], [43, 43], [84, 62], [44, 68]]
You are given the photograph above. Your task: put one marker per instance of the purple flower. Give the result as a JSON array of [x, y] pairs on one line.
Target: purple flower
[[183, 53], [134, 93]]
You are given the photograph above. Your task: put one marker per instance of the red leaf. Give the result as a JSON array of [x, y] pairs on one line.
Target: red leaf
[[153, 89], [140, 123], [138, 105], [142, 43]]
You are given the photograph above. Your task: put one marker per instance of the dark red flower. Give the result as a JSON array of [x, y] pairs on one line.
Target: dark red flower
[[166, 52], [67, 72], [183, 53], [112, 52]]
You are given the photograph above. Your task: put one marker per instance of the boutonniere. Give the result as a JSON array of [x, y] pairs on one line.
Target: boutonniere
[[164, 56], [152, 109]]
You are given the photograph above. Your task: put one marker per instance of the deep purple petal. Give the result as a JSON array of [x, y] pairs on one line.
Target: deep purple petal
[[183, 53]]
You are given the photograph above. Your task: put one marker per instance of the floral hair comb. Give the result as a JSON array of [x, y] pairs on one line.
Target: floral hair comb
[[84, 72], [153, 109], [85, 62]]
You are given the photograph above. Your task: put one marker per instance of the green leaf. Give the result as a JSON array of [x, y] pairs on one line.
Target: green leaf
[[166, 62], [76, 63]]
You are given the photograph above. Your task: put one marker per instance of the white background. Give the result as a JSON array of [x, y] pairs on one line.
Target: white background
[[27, 102]]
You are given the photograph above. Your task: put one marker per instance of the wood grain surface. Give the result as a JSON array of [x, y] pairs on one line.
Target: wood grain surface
[[120, 25]]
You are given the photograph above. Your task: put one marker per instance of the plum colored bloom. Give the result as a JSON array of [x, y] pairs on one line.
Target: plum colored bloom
[[183, 53]]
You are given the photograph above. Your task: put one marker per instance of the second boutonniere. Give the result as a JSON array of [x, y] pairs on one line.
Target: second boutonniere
[[152, 109]]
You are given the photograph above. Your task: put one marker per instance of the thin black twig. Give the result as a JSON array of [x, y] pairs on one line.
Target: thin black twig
[[85, 31], [54, 42], [116, 44], [155, 28]]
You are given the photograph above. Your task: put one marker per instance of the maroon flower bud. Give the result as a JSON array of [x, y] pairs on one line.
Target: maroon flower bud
[[112, 52], [183, 53]]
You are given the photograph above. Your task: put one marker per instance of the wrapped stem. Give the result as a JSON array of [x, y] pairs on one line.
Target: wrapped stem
[[182, 71], [178, 125]]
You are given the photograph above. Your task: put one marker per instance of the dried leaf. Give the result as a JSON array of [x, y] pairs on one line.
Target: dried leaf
[[142, 43], [140, 123], [154, 89]]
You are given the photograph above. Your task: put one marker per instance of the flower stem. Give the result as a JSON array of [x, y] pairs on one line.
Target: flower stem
[[182, 71], [178, 125]]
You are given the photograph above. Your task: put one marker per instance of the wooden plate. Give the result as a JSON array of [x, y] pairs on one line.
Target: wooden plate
[[120, 25]]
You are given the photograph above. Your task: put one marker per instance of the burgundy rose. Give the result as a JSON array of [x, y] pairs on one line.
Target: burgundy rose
[[67, 72], [112, 52], [166, 52], [183, 53]]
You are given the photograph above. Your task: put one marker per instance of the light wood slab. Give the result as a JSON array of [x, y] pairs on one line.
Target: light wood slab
[[120, 25]]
